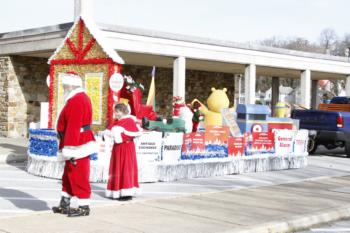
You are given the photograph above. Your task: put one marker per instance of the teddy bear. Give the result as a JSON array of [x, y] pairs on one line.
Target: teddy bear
[[216, 101]]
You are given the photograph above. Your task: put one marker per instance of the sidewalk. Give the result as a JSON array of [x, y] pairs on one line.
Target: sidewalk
[[13, 150], [278, 208]]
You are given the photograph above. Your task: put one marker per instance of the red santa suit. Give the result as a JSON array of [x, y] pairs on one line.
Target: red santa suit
[[77, 143], [123, 174]]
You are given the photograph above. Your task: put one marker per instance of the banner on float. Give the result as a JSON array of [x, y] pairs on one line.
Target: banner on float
[[216, 140], [216, 134], [259, 143], [273, 126], [284, 140], [149, 146], [300, 141], [236, 146], [193, 146], [263, 141], [193, 142], [171, 149]]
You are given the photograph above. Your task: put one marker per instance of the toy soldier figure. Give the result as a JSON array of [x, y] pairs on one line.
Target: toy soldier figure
[[77, 142]]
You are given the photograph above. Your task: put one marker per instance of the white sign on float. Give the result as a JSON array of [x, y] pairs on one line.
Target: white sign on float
[[284, 141], [44, 115], [172, 144], [300, 141], [116, 82], [148, 146]]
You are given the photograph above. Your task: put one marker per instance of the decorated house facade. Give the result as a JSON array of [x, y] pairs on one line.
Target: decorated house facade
[[84, 52]]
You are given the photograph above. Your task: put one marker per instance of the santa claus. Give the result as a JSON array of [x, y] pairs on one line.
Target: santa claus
[[77, 142]]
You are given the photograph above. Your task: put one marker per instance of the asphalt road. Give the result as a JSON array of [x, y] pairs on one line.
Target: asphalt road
[[342, 226], [334, 227], [22, 193]]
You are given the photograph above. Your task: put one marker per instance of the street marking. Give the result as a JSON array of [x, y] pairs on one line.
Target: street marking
[[11, 167], [330, 230], [46, 199], [41, 179], [246, 179], [16, 211], [200, 185], [93, 190]]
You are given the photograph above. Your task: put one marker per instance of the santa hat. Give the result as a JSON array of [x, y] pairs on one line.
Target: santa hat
[[72, 78]]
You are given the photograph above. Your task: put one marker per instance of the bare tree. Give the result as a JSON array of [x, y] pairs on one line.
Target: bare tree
[[328, 43], [342, 46], [295, 43], [328, 39]]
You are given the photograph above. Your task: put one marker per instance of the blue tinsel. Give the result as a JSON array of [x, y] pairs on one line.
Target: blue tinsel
[[42, 132], [211, 151], [43, 142]]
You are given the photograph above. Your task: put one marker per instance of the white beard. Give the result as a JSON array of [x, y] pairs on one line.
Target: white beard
[[65, 95]]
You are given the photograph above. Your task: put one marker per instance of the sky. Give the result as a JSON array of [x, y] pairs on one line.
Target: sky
[[233, 20]]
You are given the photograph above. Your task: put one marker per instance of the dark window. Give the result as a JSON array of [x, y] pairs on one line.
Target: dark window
[[260, 117], [241, 116]]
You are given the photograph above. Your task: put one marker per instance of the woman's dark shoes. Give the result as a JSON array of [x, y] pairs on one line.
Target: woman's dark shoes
[[60, 210], [125, 198], [80, 211], [63, 208]]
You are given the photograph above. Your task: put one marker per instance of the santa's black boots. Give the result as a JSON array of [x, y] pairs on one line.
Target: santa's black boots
[[80, 211], [125, 198], [63, 208]]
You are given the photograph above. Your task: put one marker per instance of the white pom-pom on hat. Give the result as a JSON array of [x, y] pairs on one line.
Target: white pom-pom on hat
[[72, 78]]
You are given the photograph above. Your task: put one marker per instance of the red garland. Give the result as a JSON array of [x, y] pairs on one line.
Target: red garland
[[82, 62], [51, 97], [72, 48], [80, 37], [119, 68], [110, 97], [88, 47], [79, 54]]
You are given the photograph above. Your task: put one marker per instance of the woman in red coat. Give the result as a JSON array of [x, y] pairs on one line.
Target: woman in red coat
[[123, 176]]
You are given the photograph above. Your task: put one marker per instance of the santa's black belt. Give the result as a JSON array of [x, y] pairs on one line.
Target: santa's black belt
[[84, 128]]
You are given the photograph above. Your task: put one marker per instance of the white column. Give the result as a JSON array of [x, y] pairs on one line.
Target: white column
[[314, 91], [179, 77], [347, 85], [82, 7], [305, 88], [249, 83]]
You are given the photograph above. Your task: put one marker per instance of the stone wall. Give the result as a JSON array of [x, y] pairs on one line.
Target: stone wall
[[198, 84], [4, 71], [23, 87]]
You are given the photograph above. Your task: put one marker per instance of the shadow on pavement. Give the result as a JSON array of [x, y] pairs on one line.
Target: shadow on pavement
[[14, 153], [21, 202], [337, 152], [100, 191]]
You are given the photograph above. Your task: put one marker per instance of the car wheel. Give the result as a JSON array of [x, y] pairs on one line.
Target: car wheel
[[347, 149], [311, 145]]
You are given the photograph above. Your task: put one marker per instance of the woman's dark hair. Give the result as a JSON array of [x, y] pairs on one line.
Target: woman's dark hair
[[122, 108]]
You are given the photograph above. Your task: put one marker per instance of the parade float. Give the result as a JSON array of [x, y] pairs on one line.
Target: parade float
[[228, 141]]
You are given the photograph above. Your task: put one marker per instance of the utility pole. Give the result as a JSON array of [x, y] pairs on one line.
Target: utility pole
[[82, 7]]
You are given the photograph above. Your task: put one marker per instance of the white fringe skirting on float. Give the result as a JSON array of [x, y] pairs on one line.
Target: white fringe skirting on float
[[160, 171]]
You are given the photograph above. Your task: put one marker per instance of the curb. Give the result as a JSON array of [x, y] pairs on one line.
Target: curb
[[13, 158], [299, 223]]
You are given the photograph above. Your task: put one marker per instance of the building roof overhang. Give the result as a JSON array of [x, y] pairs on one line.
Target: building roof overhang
[[150, 47]]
